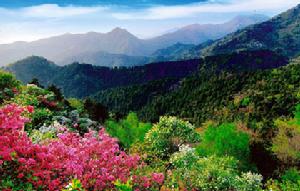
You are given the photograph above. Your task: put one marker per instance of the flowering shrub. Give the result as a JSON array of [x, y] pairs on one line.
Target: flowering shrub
[[94, 159], [209, 173], [168, 134]]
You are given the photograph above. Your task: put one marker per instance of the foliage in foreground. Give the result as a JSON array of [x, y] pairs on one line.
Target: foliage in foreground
[[94, 159]]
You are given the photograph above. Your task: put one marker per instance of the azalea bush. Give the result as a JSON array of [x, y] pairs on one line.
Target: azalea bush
[[94, 159]]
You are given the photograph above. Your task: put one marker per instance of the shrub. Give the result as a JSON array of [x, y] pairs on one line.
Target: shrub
[[289, 181], [210, 173], [8, 86], [286, 144], [94, 159], [129, 130], [168, 134], [225, 140]]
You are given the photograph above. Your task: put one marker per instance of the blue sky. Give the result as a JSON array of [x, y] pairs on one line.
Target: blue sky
[[27, 20], [132, 3]]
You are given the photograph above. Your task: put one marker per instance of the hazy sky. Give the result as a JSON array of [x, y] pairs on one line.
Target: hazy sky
[[27, 20]]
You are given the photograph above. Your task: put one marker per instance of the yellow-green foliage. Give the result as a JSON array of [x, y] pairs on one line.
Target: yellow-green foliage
[[75, 185], [286, 144], [289, 181], [224, 140], [76, 104], [129, 130]]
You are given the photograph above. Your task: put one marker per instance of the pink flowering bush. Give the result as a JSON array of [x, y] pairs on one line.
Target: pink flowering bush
[[94, 159]]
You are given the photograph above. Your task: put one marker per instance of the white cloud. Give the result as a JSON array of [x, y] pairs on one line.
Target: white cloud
[[53, 11], [231, 6], [31, 23]]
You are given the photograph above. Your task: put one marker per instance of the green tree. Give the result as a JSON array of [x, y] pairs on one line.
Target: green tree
[[129, 130], [286, 144], [96, 111], [57, 92], [225, 140], [8, 83]]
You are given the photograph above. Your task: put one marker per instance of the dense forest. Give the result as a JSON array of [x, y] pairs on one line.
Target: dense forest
[[82, 80]]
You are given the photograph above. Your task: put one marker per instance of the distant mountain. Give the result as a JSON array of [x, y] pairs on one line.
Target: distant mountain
[[118, 46], [107, 59], [199, 33], [180, 52], [280, 34], [81, 80], [33, 67], [174, 52]]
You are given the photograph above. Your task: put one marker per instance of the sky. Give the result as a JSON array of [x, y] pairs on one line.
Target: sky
[[28, 20]]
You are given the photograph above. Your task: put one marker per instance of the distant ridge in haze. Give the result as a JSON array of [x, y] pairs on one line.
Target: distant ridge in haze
[[280, 34], [118, 46]]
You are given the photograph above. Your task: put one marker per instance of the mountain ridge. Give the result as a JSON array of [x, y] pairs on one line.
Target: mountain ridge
[[118, 41], [280, 33]]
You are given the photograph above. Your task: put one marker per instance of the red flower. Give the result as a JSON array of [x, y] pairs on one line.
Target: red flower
[[30, 109], [21, 175]]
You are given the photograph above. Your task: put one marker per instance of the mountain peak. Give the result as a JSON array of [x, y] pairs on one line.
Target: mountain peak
[[122, 33], [119, 30]]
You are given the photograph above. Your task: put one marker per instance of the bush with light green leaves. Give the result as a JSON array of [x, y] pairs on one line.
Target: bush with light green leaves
[[286, 144], [210, 173], [168, 134], [225, 140], [129, 130], [289, 181]]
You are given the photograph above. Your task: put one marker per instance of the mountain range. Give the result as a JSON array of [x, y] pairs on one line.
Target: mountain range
[[118, 47], [280, 34]]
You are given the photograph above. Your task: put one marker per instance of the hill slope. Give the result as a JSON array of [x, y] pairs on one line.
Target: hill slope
[[280, 34], [159, 94], [80, 80]]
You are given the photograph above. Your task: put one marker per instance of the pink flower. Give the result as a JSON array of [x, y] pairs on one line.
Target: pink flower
[[158, 178]]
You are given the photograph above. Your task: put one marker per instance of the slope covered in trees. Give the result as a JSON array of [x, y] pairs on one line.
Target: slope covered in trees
[[50, 143], [134, 98], [81, 80]]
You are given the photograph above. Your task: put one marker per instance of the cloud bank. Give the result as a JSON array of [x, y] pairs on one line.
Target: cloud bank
[[43, 20]]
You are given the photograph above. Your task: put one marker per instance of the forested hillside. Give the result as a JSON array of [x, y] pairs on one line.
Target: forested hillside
[[242, 119], [81, 80], [120, 99], [280, 34]]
